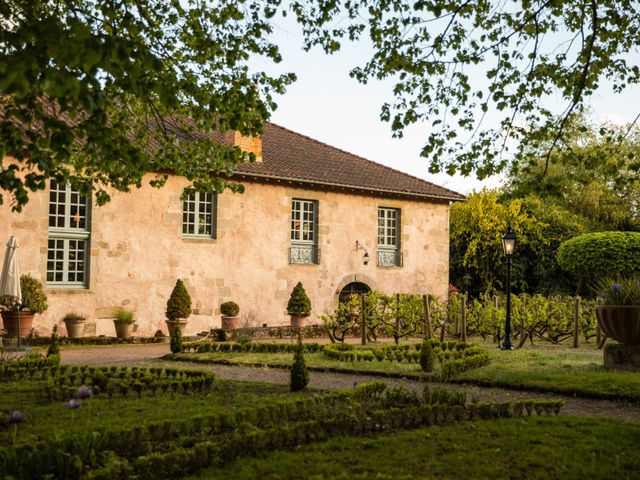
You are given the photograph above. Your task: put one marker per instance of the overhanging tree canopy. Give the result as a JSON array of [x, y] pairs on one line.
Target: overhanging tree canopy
[[101, 92], [454, 62]]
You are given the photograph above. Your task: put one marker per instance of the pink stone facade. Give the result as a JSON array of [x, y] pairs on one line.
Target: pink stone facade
[[137, 251]]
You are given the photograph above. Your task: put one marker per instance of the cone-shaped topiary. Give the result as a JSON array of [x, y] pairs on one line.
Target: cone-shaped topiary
[[179, 303], [427, 356], [176, 341], [299, 373], [299, 303], [54, 346]]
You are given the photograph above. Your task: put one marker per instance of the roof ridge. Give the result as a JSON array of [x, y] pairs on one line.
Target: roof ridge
[[363, 158]]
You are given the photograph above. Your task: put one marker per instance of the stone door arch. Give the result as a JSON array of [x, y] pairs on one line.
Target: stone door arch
[[351, 289]]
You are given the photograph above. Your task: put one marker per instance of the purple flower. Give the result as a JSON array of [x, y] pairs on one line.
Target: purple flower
[[616, 287], [72, 404], [603, 295], [16, 417], [84, 392]]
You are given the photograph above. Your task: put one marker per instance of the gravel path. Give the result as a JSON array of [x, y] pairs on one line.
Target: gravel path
[[149, 355]]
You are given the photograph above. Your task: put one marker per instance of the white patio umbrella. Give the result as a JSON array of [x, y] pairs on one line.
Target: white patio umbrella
[[10, 278]]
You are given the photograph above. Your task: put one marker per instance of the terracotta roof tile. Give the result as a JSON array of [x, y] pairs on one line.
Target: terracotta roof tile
[[292, 156]]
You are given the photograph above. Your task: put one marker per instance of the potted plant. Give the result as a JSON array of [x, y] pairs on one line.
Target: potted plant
[[178, 308], [34, 301], [123, 321], [229, 311], [299, 306], [619, 312], [75, 324]]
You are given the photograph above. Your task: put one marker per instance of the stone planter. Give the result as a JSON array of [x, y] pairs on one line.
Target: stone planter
[[619, 356], [123, 329], [10, 321], [76, 329], [229, 323], [298, 321], [171, 326], [620, 322]]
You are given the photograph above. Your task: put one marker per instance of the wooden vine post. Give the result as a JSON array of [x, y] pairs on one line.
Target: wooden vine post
[[463, 319], [397, 338], [427, 316], [445, 320], [456, 325], [363, 324], [576, 323], [598, 331]]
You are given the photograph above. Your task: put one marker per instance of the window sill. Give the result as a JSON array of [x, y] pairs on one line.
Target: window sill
[[67, 289], [198, 239]]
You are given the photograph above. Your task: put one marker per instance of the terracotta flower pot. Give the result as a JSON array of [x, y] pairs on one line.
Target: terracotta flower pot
[[171, 326], [123, 329], [620, 322], [229, 323], [75, 329], [10, 321], [298, 321]]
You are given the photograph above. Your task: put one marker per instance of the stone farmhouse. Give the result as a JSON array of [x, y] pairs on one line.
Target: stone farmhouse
[[312, 213]]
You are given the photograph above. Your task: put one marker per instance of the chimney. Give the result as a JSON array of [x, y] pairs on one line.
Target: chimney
[[246, 144]]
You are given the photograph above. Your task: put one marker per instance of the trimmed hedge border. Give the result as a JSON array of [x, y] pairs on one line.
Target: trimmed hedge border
[[172, 449], [232, 347], [179, 357], [27, 367], [46, 341]]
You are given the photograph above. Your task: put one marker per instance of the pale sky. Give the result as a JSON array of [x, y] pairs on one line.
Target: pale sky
[[326, 104]]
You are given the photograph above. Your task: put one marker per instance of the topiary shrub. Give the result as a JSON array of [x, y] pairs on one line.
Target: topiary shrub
[[176, 341], [427, 357], [601, 254], [54, 346], [179, 303], [229, 309], [299, 373], [299, 303]]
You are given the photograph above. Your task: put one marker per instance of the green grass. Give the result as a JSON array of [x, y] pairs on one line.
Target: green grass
[[52, 420], [313, 360], [529, 448], [560, 370]]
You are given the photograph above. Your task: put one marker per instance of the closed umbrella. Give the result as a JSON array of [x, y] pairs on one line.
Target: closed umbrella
[[10, 278]]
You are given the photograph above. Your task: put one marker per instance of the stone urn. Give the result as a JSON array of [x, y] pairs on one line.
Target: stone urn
[[124, 330], [298, 321], [179, 324], [10, 321], [620, 322], [229, 322], [75, 328]]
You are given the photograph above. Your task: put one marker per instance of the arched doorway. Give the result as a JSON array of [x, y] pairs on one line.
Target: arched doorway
[[352, 288]]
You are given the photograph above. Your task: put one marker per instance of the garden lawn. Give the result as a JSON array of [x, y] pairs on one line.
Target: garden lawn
[[559, 370], [524, 448], [317, 361], [48, 420]]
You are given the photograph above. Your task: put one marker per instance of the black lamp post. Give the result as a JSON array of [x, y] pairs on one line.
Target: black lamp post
[[466, 280], [508, 245]]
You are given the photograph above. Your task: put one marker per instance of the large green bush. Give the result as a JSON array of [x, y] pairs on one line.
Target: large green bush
[[600, 254], [179, 303], [34, 299]]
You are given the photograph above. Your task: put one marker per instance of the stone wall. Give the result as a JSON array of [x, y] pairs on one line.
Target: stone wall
[[137, 252]]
